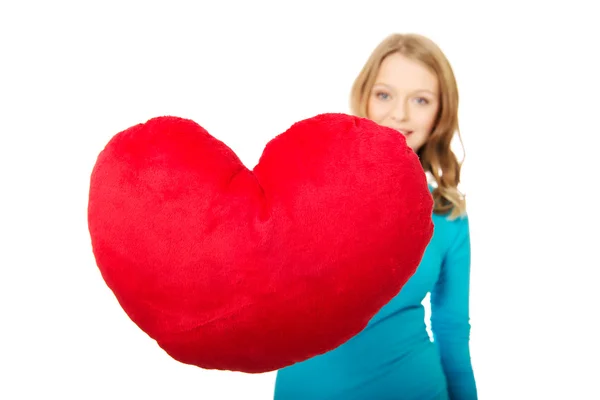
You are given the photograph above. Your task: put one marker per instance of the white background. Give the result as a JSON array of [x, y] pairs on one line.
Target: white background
[[74, 74]]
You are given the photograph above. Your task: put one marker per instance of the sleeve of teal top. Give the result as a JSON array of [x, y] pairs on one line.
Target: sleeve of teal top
[[450, 324]]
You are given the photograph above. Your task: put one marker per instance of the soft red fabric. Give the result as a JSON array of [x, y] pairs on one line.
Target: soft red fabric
[[253, 270]]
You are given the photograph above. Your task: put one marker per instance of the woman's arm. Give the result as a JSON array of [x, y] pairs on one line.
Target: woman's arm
[[450, 314]]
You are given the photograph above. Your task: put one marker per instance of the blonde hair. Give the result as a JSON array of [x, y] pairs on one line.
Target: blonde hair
[[437, 158]]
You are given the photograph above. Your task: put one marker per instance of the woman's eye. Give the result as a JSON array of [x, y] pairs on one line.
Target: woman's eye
[[382, 96], [422, 100]]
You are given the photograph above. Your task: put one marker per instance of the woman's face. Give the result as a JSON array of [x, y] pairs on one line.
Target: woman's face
[[405, 97]]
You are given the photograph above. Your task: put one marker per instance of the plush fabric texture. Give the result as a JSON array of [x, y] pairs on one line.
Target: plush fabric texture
[[254, 270]]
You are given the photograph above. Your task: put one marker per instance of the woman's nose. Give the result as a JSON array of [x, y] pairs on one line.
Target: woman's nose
[[400, 112]]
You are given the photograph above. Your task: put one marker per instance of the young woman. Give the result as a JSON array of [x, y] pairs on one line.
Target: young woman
[[408, 84]]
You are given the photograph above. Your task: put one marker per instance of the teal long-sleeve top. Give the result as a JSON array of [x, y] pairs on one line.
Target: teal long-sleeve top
[[394, 356]]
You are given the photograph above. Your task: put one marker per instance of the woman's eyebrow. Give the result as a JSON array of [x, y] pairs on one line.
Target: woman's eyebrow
[[413, 91]]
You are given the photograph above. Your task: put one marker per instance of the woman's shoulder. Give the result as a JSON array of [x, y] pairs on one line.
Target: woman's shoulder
[[450, 227], [446, 219]]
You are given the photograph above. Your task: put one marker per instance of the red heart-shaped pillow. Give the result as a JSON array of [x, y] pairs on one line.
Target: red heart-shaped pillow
[[253, 270]]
